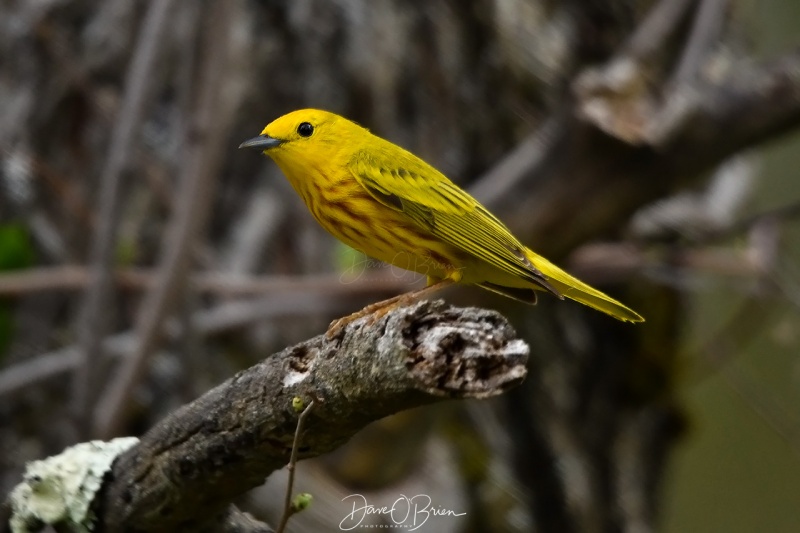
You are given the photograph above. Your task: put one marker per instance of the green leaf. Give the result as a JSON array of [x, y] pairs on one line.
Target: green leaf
[[16, 249]]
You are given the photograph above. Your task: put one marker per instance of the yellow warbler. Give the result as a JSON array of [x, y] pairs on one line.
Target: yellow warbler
[[391, 205]]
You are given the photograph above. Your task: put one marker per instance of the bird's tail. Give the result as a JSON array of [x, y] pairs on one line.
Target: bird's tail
[[579, 291]]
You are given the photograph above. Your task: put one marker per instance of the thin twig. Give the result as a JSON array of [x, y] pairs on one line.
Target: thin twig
[[43, 279], [288, 511], [93, 323]]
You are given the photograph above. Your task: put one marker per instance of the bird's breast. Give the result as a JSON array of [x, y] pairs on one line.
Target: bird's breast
[[348, 212]]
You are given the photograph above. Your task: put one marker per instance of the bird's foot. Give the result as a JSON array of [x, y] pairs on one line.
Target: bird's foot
[[373, 311]]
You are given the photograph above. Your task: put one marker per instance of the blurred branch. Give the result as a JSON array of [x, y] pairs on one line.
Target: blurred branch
[[70, 278], [700, 121], [756, 102], [673, 147], [204, 141], [658, 26], [787, 212], [596, 262], [93, 321], [705, 35], [677, 265], [624, 124], [172, 480]]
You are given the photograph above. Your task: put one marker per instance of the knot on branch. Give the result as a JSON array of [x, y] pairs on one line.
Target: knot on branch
[[465, 352]]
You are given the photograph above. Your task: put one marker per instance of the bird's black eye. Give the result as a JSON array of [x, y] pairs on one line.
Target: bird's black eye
[[305, 129]]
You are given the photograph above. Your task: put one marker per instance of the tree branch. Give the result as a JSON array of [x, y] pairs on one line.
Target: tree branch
[[707, 28], [656, 30], [188, 468], [73, 277], [755, 103]]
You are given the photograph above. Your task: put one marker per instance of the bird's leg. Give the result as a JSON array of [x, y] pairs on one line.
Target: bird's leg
[[378, 309]]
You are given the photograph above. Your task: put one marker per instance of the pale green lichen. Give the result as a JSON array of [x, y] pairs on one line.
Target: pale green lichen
[[60, 489]]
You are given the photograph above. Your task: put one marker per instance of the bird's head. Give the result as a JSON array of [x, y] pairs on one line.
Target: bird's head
[[304, 135]]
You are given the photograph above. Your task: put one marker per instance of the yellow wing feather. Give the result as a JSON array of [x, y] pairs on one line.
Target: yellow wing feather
[[406, 183]]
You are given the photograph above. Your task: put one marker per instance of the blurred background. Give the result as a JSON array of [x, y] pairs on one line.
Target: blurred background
[[646, 146]]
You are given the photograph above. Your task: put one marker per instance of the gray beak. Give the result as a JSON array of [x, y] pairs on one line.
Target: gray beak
[[262, 142]]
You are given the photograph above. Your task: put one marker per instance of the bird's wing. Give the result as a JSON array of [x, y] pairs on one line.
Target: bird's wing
[[402, 181]]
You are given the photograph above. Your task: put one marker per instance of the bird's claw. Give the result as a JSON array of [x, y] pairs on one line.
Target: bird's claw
[[336, 327]]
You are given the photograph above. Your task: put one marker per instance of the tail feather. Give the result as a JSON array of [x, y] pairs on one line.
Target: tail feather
[[579, 291]]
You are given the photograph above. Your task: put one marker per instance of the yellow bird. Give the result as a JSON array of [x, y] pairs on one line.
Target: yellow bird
[[391, 205]]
